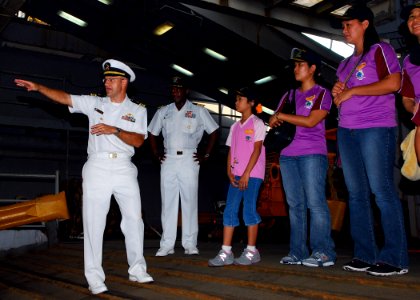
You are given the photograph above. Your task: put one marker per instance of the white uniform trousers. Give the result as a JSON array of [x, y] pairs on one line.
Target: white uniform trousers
[[179, 177], [103, 177]]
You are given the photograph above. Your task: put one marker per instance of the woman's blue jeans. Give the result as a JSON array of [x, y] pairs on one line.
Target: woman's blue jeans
[[367, 157], [304, 179]]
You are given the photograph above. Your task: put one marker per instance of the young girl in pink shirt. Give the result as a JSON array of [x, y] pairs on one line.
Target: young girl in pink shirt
[[245, 169]]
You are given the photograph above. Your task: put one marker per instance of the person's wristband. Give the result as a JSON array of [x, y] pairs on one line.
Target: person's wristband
[[117, 133]]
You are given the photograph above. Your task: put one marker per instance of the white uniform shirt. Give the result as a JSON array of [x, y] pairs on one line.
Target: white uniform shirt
[[126, 115], [182, 129]]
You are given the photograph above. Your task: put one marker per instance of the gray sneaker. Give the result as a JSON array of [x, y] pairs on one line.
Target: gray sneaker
[[290, 259], [222, 259], [248, 257], [318, 259]]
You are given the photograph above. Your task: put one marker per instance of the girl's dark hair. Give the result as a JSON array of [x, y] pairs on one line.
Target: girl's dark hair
[[255, 110], [370, 38], [251, 95]]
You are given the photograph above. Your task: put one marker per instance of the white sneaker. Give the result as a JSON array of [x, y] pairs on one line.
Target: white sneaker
[[164, 252], [192, 251], [142, 278], [97, 289]]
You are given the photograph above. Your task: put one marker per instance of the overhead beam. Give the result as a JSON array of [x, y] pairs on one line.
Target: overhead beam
[[276, 16], [278, 40], [8, 10]]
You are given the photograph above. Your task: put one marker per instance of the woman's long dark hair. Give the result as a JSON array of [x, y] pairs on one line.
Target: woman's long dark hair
[[370, 37]]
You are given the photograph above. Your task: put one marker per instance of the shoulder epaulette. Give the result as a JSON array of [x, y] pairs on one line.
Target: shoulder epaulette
[[138, 102]]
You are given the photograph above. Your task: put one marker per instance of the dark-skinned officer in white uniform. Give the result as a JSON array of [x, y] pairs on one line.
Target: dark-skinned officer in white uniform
[[182, 124], [117, 126]]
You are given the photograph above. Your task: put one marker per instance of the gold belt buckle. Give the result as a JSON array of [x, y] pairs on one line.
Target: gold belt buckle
[[113, 155]]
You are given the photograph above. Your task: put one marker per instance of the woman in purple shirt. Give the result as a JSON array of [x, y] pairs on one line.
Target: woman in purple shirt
[[367, 143], [410, 89], [304, 166]]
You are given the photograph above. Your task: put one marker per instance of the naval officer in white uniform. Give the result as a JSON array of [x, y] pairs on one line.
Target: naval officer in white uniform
[[117, 125], [182, 124]]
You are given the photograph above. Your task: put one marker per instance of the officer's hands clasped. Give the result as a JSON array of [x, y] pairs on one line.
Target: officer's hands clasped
[[200, 158], [159, 156]]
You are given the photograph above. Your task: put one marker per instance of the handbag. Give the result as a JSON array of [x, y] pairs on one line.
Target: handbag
[[281, 136]]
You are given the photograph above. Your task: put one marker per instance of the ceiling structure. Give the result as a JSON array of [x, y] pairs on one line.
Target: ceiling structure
[[256, 36]]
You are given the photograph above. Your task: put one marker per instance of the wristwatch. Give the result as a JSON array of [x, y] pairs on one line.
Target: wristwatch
[[118, 131], [206, 155]]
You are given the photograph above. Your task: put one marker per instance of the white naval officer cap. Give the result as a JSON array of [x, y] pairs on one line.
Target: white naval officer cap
[[114, 67]]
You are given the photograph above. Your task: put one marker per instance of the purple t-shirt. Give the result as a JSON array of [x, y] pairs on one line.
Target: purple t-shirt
[[241, 141], [308, 140], [369, 111], [411, 80]]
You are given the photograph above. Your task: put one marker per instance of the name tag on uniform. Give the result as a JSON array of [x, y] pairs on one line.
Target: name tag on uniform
[[99, 111]]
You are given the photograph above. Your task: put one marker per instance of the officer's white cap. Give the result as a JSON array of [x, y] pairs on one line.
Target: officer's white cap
[[114, 67]]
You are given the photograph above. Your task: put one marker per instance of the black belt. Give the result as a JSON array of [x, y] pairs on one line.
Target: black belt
[[180, 151]]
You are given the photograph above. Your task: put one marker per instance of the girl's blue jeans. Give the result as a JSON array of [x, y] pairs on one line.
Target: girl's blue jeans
[[250, 197]]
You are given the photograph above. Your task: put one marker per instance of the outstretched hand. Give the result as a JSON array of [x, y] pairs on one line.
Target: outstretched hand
[[28, 85]]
